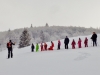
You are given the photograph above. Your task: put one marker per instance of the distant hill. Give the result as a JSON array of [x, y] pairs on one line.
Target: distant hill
[[50, 33]]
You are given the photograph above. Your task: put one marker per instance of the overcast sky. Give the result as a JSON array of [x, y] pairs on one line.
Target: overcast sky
[[21, 13]]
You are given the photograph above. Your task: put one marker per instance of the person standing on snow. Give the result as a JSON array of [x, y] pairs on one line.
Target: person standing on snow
[[10, 49], [32, 47], [45, 46], [73, 44], [37, 47], [66, 42], [79, 43], [94, 39], [86, 42], [41, 47], [59, 44]]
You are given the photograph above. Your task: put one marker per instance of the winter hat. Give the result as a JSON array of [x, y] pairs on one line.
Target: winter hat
[[93, 32]]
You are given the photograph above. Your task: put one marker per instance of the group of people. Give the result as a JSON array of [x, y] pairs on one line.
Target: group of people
[[93, 38], [44, 46], [66, 42], [79, 43]]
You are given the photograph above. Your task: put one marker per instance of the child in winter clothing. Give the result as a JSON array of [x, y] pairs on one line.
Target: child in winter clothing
[[41, 47], [32, 47], [73, 44], [52, 45], [86, 42], [45, 46], [59, 44], [79, 43], [37, 47]]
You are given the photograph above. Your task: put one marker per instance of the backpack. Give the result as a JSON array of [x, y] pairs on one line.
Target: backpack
[[9, 44]]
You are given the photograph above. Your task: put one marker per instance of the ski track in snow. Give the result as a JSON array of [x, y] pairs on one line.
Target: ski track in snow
[[82, 56]]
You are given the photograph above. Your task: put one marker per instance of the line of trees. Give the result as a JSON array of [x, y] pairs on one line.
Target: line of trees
[[25, 36]]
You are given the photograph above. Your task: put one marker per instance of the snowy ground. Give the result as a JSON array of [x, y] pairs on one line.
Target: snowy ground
[[84, 61]]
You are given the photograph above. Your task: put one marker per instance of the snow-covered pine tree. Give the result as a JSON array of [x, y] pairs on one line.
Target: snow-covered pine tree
[[46, 25], [24, 39], [42, 36], [10, 35], [31, 26]]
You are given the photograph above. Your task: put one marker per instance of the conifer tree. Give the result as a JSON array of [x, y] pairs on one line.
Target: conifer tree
[[24, 39], [42, 36]]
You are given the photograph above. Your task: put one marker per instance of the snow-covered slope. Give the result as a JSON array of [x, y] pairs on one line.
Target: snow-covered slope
[[84, 61]]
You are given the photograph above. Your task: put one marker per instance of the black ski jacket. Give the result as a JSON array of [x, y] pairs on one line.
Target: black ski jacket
[[66, 41], [32, 47], [94, 37]]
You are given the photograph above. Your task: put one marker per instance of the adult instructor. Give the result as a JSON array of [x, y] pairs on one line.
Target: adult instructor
[[10, 49], [94, 39], [66, 42]]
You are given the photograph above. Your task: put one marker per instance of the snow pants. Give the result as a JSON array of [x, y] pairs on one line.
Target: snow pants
[[79, 46], [58, 47], [66, 46], [32, 50], [73, 46], [94, 42], [86, 45], [45, 48], [41, 48], [10, 53]]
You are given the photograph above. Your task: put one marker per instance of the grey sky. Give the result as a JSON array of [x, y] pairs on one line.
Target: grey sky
[[21, 13]]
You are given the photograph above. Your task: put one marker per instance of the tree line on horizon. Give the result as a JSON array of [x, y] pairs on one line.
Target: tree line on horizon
[[43, 34]]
